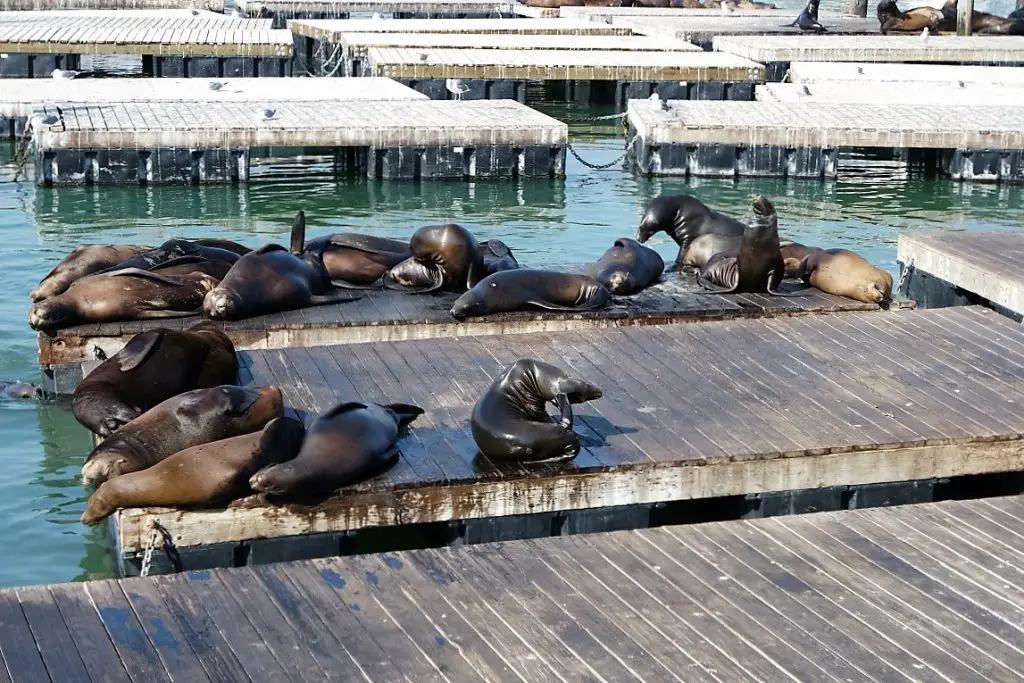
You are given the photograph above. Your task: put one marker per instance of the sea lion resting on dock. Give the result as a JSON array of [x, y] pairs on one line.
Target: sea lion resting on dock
[[444, 257], [757, 266], [84, 260], [518, 290], [844, 273], [510, 420], [891, 19], [152, 367], [684, 218], [496, 257], [199, 476], [345, 445], [176, 251], [981, 22], [355, 260], [186, 420], [627, 268], [792, 254], [702, 249]]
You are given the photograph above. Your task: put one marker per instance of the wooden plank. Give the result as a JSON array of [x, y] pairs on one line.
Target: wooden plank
[[90, 637], [943, 49], [136, 650], [17, 645], [52, 639], [330, 29]]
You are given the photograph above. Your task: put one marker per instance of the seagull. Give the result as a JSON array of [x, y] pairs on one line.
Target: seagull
[[48, 120], [860, 70], [808, 19], [217, 85], [424, 56], [58, 74], [195, 13], [456, 87], [924, 35], [657, 104], [267, 115], [376, 16]]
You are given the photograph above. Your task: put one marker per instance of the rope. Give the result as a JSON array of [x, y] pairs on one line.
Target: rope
[[601, 167]]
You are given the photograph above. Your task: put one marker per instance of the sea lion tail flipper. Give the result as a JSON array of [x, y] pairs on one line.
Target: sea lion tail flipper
[[298, 233], [156, 315], [179, 261], [138, 349], [280, 441], [770, 288], [341, 284], [565, 408], [138, 272], [335, 297], [405, 412]]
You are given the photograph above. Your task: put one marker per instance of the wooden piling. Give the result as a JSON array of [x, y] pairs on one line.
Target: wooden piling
[[964, 15]]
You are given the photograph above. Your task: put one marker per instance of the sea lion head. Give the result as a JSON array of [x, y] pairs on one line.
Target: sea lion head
[[221, 303], [250, 407], [414, 276], [476, 301], [450, 253], [677, 215], [765, 225], [52, 313]]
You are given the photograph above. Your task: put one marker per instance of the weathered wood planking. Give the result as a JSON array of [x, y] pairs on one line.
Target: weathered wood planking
[[358, 43], [114, 5], [701, 30], [984, 264], [298, 8], [330, 29], [610, 14], [805, 48], [689, 411], [929, 591], [883, 74], [913, 93]]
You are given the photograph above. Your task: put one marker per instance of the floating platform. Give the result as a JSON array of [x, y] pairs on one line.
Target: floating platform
[[952, 268], [702, 30], [204, 45], [281, 11], [802, 139], [732, 408], [939, 93], [589, 76], [777, 52], [118, 5], [212, 142], [19, 98], [910, 74], [609, 15], [330, 29]]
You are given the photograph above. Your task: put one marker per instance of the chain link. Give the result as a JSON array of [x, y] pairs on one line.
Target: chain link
[[903, 276], [147, 556], [601, 167]]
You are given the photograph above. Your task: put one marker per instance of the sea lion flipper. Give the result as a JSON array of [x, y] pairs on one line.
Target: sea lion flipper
[[138, 349], [280, 441], [298, 240], [405, 412], [155, 315], [341, 284], [178, 261], [770, 288], [332, 297], [565, 408], [138, 272]]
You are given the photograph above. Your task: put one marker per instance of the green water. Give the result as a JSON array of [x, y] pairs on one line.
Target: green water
[[546, 223]]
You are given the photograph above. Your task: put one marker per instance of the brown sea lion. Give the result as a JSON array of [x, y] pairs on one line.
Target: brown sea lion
[[703, 248], [891, 19], [180, 422], [152, 367], [84, 260], [627, 268], [355, 260], [171, 291], [510, 420], [523, 289], [757, 266], [684, 218], [552, 4], [200, 476], [792, 254], [444, 257], [347, 444], [845, 273]]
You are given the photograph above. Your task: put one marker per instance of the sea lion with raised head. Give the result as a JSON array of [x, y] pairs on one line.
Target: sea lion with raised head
[[171, 291], [627, 267], [684, 218], [84, 260], [792, 254], [523, 289], [152, 367], [702, 249], [757, 265], [807, 20], [355, 260], [180, 422], [510, 420], [200, 476], [845, 273], [346, 444], [891, 19], [444, 257]]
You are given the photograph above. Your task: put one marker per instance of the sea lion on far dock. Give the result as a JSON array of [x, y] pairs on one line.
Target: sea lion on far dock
[[152, 367], [702, 249], [891, 19], [510, 420], [355, 260], [982, 23], [792, 254], [627, 267], [684, 218], [444, 257], [199, 476], [84, 260], [845, 273], [186, 420], [757, 266], [345, 445], [522, 289]]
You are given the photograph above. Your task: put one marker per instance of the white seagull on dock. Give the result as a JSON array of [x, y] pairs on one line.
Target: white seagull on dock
[[657, 104], [924, 35], [217, 85], [456, 87], [58, 74], [376, 16]]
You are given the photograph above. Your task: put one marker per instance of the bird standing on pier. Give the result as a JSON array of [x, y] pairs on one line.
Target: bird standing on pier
[[657, 104], [456, 87], [266, 115], [59, 74], [924, 35], [217, 85], [48, 120], [808, 19]]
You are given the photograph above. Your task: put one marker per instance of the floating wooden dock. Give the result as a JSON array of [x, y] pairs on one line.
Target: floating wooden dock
[[777, 52], [937, 93], [330, 29], [19, 98], [589, 76], [951, 268], [732, 408], [284, 10], [119, 5], [926, 592], [911, 74], [802, 139], [609, 15], [702, 30], [206, 142]]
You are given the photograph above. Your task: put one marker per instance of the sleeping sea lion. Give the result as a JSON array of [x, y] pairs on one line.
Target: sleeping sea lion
[[443, 257], [521, 289], [757, 266], [199, 476], [981, 22], [792, 254], [891, 19], [227, 245], [684, 218], [844, 273], [84, 260], [355, 260], [175, 251], [152, 367], [703, 248], [347, 444], [496, 256], [627, 267], [180, 422], [510, 420], [172, 291]]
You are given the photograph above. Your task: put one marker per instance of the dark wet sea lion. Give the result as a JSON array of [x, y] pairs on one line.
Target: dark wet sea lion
[[1017, 14], [200, 476], [684, 218], [807, 20], [627, 267], [845, 273], [175, 251], [792, 254], [152, 367], [347, 444], [19, 390], [496, 257], [982, 23], [523, 289], [891, 19], [186, 420], [757, 266], [355, 260], [130, 294], [510, 420], [227, 245], [444, 257], [702, 249], [84, 260]]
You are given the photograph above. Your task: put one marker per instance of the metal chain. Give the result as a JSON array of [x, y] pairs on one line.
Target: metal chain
[[158, 532], [21, 154], [903, 276], [147, 556], [601, 167]]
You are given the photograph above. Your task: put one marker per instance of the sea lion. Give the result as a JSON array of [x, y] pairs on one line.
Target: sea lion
[[347, 444], [757, 266], [173, 252], [227, 245], [1017, 14], [982, 23], [171, 291], [19, 390], [152, 367], [792, 254], [496, 257], [891, 19], [627, 267], [807, 20], [84, 260], [844, 273], [703, 248], [510, 422], [180, 422], [517, 290], [355, 260], [199, 476], [443, 257], [684, 218]]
